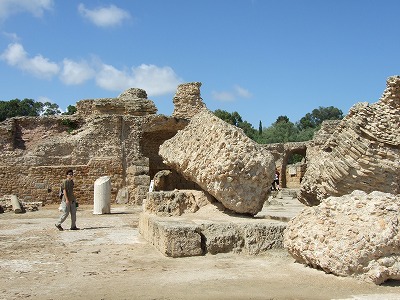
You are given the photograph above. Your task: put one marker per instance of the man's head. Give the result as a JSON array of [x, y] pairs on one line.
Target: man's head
[[70, 173]]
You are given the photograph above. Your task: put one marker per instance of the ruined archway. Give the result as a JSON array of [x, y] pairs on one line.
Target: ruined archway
[[293, 165]]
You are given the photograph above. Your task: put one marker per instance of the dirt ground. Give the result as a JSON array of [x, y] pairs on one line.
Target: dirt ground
[[108, 259]]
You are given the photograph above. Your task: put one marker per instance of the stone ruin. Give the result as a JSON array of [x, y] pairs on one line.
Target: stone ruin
[[116, 137], [352, 183], [353, 235], [210, 181], [223, 161], [363, 153]]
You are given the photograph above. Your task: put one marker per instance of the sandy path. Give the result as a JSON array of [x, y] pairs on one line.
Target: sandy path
[[108, 259]]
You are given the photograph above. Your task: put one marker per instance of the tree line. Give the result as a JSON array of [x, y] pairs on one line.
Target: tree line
[[281, 131], [31, 108]]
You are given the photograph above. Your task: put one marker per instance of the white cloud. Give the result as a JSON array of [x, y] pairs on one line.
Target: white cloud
[[227, 96], [35, 7], [241, 92], [154, 80], [38, 66], [223, 96], [11, 35], [75, 73], [104, 16]]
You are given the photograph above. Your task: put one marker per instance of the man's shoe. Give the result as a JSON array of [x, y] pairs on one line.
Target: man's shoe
[[75, 228], [59, 227]]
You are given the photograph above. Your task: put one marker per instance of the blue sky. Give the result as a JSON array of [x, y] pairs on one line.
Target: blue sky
[[261, 58]]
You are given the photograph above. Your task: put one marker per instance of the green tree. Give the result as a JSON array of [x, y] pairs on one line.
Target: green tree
[[282, 119], [236, 120], [70, 110], [318, 115], [260, 128], [282, 131], [50, 109], [16, 107], [231, 118]]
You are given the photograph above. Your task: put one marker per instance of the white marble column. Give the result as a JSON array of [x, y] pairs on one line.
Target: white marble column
[[102, 195]]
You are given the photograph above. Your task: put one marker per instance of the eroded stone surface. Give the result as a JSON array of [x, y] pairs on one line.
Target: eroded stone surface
[[223, 161], [353, 235], [131, 102], [187, 100], [210, 231], [362, 154], [176, 203]]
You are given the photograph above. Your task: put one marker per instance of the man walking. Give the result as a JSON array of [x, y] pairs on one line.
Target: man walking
[[68, 203]]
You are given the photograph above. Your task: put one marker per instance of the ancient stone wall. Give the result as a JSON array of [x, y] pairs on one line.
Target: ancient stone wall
[[42, 183], [294, 175], [116, 137], [132, 102], [187, 100], [363, 153]]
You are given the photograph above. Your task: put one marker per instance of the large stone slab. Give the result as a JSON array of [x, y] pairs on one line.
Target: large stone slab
[[223, 161], [210, 231], [170, 236], [353, 235], [363, 153]]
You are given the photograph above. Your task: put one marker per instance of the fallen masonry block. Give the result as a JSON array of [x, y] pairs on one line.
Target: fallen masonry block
[[176, 203], [353, 235], [223, 161]]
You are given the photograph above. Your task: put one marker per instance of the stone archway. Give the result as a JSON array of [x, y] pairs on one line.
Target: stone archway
[[282, 153], [292, 174]]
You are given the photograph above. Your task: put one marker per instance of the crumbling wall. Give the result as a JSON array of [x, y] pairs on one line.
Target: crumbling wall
[[187, 100], [117, 137], [132, 102], [362, 154]]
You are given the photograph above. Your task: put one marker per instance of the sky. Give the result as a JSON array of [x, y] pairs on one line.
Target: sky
[[261, 58]]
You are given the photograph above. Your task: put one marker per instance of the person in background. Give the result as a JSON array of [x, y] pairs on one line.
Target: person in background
[[275, 184], [68, 203]]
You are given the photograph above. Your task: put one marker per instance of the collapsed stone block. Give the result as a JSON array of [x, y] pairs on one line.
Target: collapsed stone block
[[176, 203], [363, 153], [170, 237], [353, 235], [223, 161]]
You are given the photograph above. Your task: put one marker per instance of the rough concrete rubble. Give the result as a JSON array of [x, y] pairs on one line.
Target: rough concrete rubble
[[353, 235], [223, 161], [362, 154]]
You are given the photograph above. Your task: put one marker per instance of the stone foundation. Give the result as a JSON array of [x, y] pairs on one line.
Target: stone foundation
[[185, 223]]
